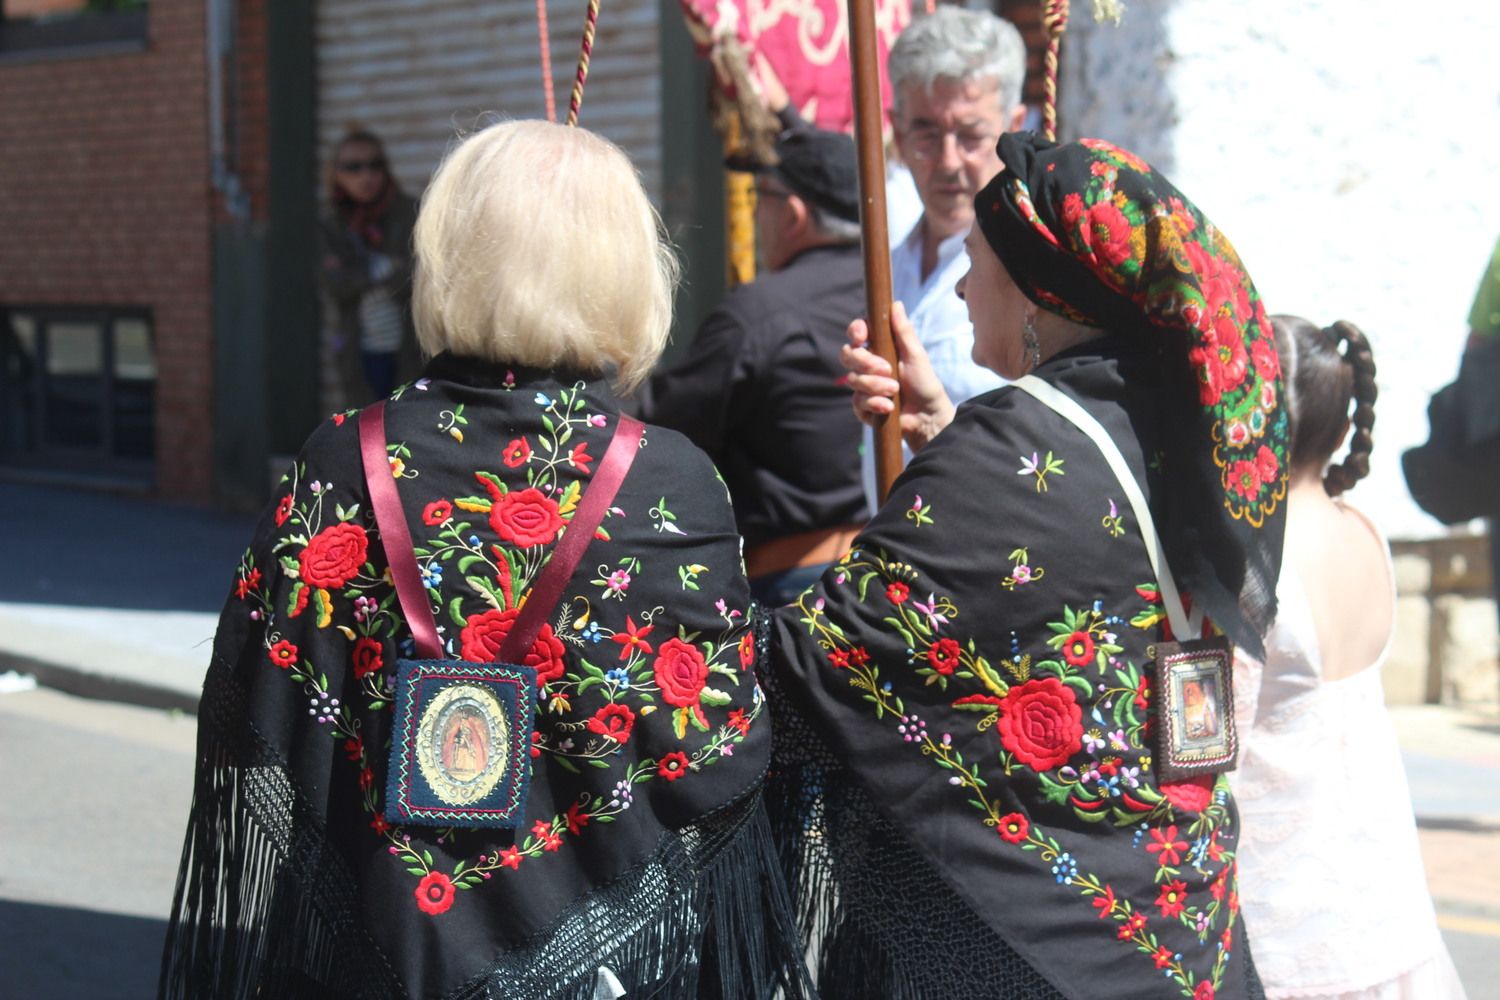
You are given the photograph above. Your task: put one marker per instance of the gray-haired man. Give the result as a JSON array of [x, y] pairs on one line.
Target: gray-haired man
[[956, 77]]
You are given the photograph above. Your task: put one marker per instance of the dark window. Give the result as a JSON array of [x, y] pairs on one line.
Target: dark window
[[39, 29], [77, 390]]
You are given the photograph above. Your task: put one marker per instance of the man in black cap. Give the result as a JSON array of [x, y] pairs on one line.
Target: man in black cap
[[760, 389]]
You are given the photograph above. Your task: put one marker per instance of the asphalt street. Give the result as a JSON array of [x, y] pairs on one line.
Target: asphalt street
[[96, 795]]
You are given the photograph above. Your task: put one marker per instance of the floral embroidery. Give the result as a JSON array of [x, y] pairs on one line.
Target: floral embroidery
[[919, 513], [1113, 522], [595, 698], [1041, 468], [1020, 572], [1097, 765]]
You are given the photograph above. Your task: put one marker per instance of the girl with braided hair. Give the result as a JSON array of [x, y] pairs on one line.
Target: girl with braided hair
[[1313, 721]]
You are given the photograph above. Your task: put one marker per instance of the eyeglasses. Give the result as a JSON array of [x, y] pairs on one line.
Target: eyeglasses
[[927, 143], [375, 166]]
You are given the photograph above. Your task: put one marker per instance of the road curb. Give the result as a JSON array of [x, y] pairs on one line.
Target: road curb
[[100, 687]]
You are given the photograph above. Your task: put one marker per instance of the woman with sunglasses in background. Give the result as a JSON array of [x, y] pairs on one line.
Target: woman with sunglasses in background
[[366, 270]]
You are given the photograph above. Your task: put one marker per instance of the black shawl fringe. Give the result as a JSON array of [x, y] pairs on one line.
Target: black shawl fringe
[[266, 907]]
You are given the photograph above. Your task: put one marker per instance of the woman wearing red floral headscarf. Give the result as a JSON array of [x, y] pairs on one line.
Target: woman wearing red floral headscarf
[[995, 777]]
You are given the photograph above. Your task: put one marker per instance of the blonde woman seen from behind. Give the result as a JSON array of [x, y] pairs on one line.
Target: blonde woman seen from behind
[[1331, 875]]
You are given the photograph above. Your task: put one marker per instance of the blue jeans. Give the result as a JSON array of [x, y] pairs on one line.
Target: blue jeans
[[776, 589]]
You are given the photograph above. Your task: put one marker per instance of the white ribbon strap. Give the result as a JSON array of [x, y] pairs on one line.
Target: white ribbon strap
[[1183, 626]]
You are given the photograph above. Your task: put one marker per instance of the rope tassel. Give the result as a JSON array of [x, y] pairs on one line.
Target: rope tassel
[[585, 50]]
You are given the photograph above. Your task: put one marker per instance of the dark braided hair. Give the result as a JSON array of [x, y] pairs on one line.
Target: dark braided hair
[[1323, 381]]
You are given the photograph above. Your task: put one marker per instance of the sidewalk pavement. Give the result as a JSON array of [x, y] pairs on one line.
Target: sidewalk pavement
[[113, 597], [116, 598]]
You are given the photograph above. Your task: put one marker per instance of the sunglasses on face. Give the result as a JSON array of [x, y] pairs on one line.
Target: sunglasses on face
[[362, 166]]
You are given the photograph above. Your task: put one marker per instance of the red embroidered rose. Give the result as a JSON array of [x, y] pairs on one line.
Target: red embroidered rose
[[1172, 898], [747, 649], [1189, 794], [283, 654], [518, 452], [1267, 464], [482, 636], [943, 655], [1244, 479], [1205, 991], [1078, 649], [680, 673], [673, 765], [897, 592], [1108, 233], [1263, 356], [367, 657], [1013, 828], [283, 510], [437, 512], [613, 721], [333, 556], [1041, 723], [527, 517], [435, 893]]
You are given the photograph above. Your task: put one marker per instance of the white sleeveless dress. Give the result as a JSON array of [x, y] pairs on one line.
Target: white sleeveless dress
[[1331, 878]]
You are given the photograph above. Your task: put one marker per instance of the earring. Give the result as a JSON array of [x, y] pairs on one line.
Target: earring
[[1032, 344]]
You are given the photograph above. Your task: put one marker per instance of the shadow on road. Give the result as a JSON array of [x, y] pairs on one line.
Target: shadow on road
[[52, 951], [90, 549]]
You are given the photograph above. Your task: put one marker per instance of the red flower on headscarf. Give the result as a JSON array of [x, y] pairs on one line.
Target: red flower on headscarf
[[485, 633], [1072, 209], [1244, 479], [1267, 464], [1108, 233], [1263, 355], [333, 556], [1041, 723], [435, 893]]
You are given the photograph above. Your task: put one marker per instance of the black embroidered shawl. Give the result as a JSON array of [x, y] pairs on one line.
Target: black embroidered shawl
[[963, 785], [644, 847]]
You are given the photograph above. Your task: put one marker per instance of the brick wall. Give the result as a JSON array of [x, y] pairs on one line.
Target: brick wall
[[104, 199]]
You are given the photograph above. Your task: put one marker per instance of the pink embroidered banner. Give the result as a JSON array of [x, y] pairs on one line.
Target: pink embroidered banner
[[805, 43]]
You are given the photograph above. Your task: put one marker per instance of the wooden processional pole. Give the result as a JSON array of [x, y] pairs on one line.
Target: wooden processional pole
[[869, 136]]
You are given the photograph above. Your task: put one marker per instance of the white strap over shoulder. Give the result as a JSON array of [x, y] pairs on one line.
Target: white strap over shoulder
[[1184, 627]]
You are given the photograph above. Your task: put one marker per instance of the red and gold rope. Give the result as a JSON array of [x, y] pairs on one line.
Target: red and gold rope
[[585, 50], [1054, 22], [546, 46]]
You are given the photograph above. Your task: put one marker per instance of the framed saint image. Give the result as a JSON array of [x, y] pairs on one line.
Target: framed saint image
[[1195, 709]]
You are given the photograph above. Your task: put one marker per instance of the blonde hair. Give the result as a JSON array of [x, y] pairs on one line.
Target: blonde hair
[[536, 244]]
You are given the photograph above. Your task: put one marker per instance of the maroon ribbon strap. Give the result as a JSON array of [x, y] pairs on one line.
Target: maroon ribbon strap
[[395, 537]]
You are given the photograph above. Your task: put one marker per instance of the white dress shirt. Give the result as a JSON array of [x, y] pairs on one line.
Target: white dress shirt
[[942, 323]]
